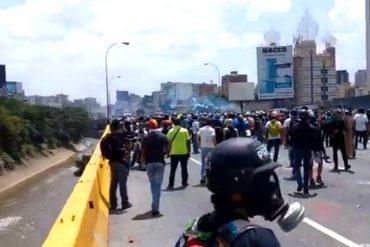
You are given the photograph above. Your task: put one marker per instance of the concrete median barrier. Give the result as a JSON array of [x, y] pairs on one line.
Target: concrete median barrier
[[84, 219]]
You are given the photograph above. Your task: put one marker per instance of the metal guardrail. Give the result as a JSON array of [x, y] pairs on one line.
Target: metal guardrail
[[84, 219]]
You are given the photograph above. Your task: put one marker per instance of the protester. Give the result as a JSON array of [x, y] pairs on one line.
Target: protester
[[179, 139], [154, 148], [303, 144], [361, 128], [115, 147], [318, 153], [195, 129], [207, 139], [273, 133], [229, 130], [337, 141]]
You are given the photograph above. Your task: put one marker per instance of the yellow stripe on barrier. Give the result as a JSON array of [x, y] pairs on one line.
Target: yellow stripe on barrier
[[84, 219]]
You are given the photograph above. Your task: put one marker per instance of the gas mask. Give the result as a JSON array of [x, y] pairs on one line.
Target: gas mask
[[266, 200]]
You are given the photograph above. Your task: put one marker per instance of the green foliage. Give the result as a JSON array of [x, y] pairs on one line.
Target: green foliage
[[26, 129]]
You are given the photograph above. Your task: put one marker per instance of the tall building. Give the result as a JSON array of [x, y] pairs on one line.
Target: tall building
[[122, 96], [148, 103], [14, 88], [367, 10], [51, 101], [204, 89], [361, 78], [342, 77], [2, 80], [63, 99], [176, 94], [157, 95], [313, 83], [230, 78]]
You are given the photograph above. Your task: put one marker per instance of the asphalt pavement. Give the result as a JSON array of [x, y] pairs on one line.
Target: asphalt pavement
[[339, 215]]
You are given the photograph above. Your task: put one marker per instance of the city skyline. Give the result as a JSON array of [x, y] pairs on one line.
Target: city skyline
[[60, 48]]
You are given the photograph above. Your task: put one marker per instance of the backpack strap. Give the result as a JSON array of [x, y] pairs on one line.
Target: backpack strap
[[230, 232]]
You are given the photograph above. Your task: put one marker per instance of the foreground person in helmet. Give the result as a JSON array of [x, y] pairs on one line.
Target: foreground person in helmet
[[240, 174]]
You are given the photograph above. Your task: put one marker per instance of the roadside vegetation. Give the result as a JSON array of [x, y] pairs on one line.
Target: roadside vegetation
[[26, 130]]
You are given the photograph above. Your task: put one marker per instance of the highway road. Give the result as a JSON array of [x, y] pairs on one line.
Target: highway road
[[338, 216]]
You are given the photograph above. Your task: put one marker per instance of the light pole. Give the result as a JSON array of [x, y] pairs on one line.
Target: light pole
[[218, 78], [106, 75]]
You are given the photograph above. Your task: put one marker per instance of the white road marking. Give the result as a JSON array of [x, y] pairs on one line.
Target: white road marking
[[363, 182], [330, 233], [195, 161], [317, 226]]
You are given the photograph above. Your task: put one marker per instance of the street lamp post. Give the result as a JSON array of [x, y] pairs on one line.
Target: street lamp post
[[218, 78], [106, 75]]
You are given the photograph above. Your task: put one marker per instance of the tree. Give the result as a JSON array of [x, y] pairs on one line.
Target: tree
[[24, 127]]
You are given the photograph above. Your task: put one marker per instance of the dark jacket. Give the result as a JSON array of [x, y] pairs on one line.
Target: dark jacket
[[303, 136], [119, 146], [336, 128]]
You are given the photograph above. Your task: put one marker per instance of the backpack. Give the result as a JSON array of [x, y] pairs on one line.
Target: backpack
[[274, 129], [112, 146], [105, 149], [230, 132], [225, 236]]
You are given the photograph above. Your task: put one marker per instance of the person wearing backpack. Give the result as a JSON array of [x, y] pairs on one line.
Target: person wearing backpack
[[115, 147], [240, 175], [229, 130], [273, 134]]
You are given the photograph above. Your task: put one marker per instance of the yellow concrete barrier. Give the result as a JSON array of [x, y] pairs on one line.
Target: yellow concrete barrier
[[84, 219]]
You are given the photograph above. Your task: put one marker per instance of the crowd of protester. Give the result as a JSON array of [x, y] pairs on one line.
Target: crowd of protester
[[306, 133]]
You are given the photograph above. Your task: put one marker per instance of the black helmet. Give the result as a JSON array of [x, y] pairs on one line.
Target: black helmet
[[294, 112], [234, 164], [241, 175], [303, 114]]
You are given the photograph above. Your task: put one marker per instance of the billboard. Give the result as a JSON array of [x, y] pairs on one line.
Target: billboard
[[241, 91], [275, 72]]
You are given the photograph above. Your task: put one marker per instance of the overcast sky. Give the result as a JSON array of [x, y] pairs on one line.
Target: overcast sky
[[59, 46]]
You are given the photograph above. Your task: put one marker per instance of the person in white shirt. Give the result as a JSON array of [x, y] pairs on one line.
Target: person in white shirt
[[207, 139], [361, 127], [195, 129]]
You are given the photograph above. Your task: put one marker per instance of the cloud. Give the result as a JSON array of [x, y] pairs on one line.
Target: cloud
[[60, 47], [347, 23], [256, 8]]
